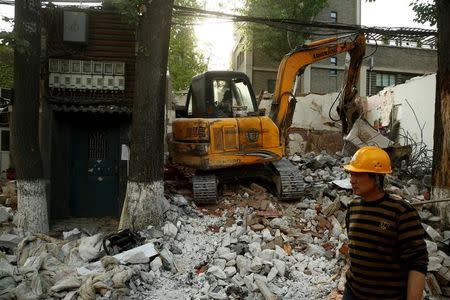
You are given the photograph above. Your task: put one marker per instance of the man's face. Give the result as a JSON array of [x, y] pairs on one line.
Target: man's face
[[362, 183]]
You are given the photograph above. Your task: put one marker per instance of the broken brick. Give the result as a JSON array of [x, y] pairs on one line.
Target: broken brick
[[272, 213], [257, 188]]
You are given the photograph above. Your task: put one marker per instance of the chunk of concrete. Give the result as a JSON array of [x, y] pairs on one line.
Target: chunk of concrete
[[221, 251], [228, 256], [9, 241], [136, 258], [272, 274], [432, 233], [256, 265], [267, 236], [170, 230], [220, 262], [243, 265], [230, 271], [74, 234], [217, 272], [434, 263], [431, 247], [156, 264], [278, 223], [281, 266], [167, 259], [254, 248], [267, 254], [249, 283], [279, 252]]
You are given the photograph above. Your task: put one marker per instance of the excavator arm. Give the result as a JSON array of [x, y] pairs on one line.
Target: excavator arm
[[295, 62]]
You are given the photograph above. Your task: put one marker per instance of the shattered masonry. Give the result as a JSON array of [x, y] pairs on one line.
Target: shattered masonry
[[249, 246]]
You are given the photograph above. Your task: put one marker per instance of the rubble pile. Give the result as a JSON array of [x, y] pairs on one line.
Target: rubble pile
[[8, 196], [249, 246]]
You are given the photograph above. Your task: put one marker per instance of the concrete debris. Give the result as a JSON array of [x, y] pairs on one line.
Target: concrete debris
[[249, 246], [170, 230], [9, 241], [5, 213], [90, 247], [72, 235]]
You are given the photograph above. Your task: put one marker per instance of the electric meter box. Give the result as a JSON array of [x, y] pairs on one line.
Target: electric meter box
[[75, 27]]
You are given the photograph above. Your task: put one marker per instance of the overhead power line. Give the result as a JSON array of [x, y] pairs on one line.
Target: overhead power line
[[419, 35], [399, 34]]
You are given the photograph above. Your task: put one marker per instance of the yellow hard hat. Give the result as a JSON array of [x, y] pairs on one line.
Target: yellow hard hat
[[370, 159]]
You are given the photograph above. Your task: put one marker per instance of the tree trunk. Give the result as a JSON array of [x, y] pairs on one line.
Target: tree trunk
[[441, 149], [32, 202], [145, 187]]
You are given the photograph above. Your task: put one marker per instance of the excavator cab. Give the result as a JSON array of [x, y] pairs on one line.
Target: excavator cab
[[219, 94]]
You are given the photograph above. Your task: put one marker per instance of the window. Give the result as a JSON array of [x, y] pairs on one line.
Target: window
[[5, 140], [240, 59], [384, 79], [271, 85], [243, 95], [333, 62], [230, 94], [333, 17], [97, 145]]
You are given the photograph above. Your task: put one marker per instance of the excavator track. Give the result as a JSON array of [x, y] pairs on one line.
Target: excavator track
[[205, 188], [290, 185]]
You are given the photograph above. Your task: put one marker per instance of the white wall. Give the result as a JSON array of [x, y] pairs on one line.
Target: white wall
[[311, 111], [416, 95]]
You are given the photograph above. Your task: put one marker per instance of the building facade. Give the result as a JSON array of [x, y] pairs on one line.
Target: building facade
[[88, 74], [386, 64]]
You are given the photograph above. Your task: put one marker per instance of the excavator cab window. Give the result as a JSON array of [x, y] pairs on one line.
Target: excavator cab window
[[232, 98], [219, 94]]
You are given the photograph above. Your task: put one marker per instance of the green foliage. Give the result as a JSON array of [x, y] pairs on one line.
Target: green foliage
[[185, 60], [272, 41], [6, 66], [425, 11], [131, 9], [10, 39]]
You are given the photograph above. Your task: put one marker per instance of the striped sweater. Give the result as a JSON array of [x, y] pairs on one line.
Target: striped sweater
[[386, 241]]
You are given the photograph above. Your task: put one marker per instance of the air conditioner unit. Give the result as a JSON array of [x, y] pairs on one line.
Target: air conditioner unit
[[75, 66], [97, 82], [53, 65], [119, 68], [54, 80], [119, 83], [86, 82], [108, 68], [97, 68], [108, 82]]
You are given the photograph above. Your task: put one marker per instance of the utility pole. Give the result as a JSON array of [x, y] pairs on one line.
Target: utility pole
[[441, 149], [32, 200], [145, 186]]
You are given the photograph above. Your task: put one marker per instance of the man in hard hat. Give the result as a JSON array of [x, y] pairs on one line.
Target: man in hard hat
[[388, 254]]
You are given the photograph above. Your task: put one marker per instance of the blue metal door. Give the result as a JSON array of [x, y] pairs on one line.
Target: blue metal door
[[95, 161]]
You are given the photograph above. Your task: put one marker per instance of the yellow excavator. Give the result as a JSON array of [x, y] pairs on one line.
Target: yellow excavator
[[221, 133]]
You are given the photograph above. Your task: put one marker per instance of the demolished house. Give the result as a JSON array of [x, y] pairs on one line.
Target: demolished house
[[394, 119], [249, 245]]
